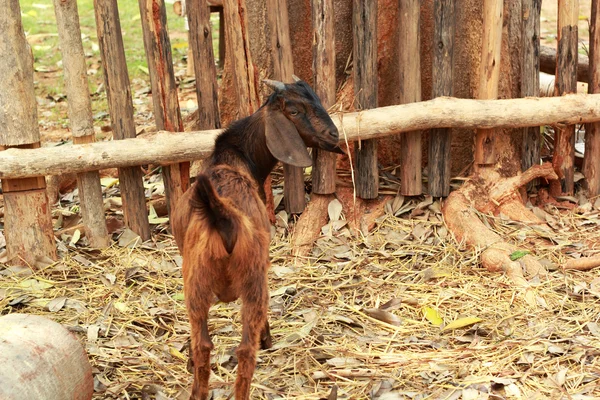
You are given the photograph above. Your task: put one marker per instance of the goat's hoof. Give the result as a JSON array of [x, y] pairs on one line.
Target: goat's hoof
[[266, 342]]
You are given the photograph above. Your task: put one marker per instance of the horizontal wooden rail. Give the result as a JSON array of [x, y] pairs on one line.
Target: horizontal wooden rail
[[443, 112]]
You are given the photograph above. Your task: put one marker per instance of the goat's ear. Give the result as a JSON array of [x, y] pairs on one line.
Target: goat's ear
[[284, 141]]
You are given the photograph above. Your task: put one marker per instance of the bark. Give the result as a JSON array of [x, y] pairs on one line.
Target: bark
[[591, 167], [163, 147], [548, 62]]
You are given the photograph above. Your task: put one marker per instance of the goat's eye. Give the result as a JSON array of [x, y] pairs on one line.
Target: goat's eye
[[293, 113]]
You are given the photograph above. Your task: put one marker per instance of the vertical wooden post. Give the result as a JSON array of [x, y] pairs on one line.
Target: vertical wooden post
[[204, 64], [167, 115], [80, 118], [364, 21], [530, 82], [323, 172], [283, 66], [410, 92], [222, 39], [489, 75], [440, 139], [27, 217], [563, 158], [591, 161], [244, 78], [120, 105]]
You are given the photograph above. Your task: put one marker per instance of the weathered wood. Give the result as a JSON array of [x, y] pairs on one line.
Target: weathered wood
[[563, 158], [80, 118], [489, 74], [410, 91], [364, 21], [442, 112], [530, 77], [120, 105], [283, 69], [591, 161], [167, 114], [548, 63], [238, 43], [41, 359], [204, 65], [324, 162], [27, 218], [28, 227], [440, 140]]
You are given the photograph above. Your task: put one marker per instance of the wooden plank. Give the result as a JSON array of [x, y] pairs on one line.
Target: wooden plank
[[440, 140], [591, 167], [283, 69], [238, 43], [489, 74], [167, 147], [120, 105], [530, 78], [563, 158], [164, 91], [27, 217], [80, 118], [204, 65], [410, 91], [364, 22], [324, 162]]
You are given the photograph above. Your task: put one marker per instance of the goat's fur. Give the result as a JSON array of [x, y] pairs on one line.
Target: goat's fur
[[221, 225]]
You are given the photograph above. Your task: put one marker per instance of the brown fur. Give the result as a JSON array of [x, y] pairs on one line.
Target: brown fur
[[222, 229]]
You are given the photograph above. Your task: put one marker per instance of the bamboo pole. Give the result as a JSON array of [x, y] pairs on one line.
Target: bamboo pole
[[80, 119], [442, 112], [410, 91], [530, 77], [120, 104], [440, 140], [27, 217], [324, 163], [283, 66], [364, 21], [167, 115], [563, 158], [591, 160], [204, 65], [489, 74]]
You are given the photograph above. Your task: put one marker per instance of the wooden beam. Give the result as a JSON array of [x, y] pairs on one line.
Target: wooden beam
[[591, 160], [324, 162], [444, 112], [530, 78], [27, 217], [410, 91], [80, 118], [204, 65], [283, 69], [364, 22], [563, 158], [120, 105], [440, 140], [167, 115], [489, 74]]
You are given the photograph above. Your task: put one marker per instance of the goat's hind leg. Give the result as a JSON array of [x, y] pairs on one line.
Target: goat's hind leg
[[255, 303], [266, 342], [198, 302]]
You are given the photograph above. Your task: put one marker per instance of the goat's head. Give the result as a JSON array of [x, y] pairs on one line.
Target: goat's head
[[295, 119]]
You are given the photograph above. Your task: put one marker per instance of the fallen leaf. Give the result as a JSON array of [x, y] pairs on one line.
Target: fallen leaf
[[56, 304], [384, 316], [432, 316], [461, 323], [515, 255], [334, 209]]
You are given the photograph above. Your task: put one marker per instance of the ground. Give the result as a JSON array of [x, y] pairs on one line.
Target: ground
[[402, 313]]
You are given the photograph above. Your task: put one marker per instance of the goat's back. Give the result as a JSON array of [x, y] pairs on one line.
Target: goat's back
[[204, 253]]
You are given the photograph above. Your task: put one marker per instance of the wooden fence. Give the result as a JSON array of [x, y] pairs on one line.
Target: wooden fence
[[23, 164]]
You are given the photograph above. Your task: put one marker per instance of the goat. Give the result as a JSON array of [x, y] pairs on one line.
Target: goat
[[221, 225]]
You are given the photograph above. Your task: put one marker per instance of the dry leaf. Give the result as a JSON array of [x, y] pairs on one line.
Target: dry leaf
[[432, 316], [334, 209], [461, 323], [56, 304], [384, 316]]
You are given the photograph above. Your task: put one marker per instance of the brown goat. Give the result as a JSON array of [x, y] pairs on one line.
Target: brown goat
[[221, 225]]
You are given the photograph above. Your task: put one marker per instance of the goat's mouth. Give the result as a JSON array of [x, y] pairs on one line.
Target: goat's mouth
[[332, 147]]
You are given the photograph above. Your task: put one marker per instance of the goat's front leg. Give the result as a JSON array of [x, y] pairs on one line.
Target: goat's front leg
[[198, 300], [255, 302], [265, 336]]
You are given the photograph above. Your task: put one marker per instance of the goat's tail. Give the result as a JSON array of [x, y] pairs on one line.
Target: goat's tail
[[220, 215]]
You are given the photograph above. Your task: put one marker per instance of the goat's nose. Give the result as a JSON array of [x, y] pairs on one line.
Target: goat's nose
[[333, 133]]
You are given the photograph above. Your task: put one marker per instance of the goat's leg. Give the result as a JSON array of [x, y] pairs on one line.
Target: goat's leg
[[198, 302], [255, 302], [265, 337]]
